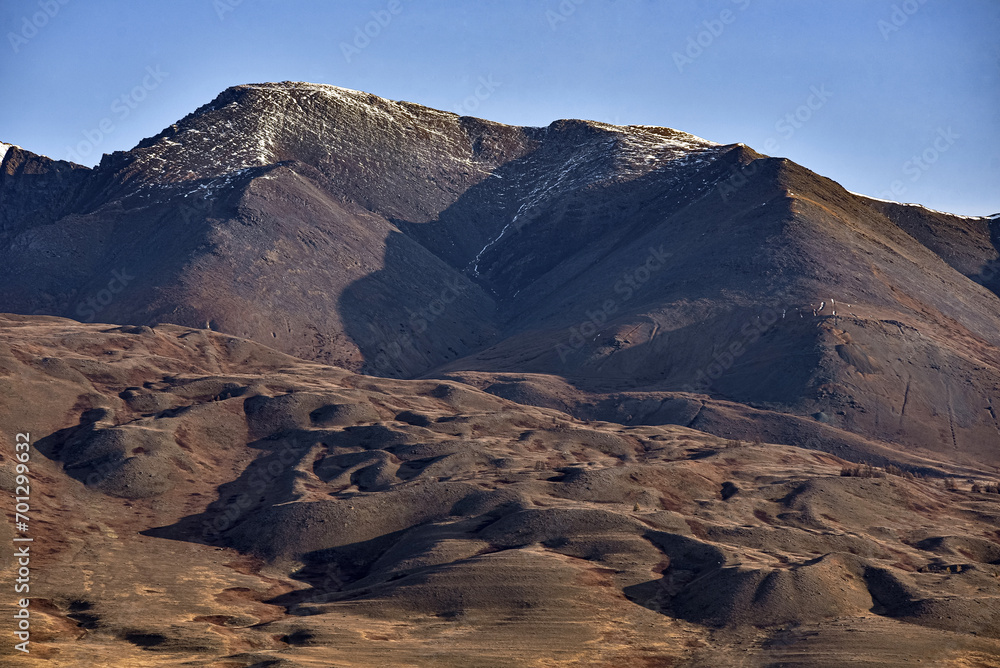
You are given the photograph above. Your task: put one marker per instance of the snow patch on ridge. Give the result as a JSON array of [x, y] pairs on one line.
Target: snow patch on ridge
[[925, 208], [266, 123], [619, 153], [3, 149]]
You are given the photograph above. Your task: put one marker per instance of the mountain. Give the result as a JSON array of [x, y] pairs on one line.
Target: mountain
[[667, 278], [312, 373], [200, 499]]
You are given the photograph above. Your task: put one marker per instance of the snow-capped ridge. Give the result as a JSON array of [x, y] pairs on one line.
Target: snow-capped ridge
[[995, 216]]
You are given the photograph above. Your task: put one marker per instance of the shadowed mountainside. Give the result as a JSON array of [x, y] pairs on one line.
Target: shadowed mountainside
[[396, 240], [407, 388]]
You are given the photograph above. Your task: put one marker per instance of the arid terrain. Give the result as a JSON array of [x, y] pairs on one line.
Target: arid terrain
[[202, 500], [316, 378]]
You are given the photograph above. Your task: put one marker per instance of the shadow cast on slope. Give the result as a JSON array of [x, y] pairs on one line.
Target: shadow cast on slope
[[438, 299]]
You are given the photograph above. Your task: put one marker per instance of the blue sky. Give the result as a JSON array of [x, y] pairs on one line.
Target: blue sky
[[875, 94]]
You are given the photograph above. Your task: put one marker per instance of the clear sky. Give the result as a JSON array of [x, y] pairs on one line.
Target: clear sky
[[872, 93]]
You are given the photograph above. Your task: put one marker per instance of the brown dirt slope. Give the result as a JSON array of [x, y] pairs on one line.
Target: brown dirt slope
[[199, 499]]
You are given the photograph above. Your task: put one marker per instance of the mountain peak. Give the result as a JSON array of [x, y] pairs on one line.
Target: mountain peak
[[385, 148], [254, 125], [397, 239], [631, 369]]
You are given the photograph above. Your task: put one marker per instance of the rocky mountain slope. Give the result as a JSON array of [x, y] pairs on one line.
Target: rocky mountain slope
[[200, 499], [396, 240], [389, 386]]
